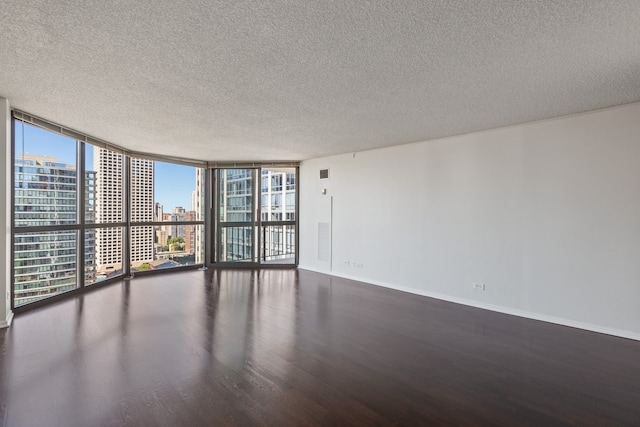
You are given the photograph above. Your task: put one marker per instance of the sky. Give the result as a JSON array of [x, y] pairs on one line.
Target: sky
[[173, 183]]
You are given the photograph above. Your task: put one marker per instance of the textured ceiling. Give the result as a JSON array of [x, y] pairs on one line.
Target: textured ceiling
[[292, 80]]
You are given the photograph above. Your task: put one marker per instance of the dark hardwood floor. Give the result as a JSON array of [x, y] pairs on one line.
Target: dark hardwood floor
[[293, 348]]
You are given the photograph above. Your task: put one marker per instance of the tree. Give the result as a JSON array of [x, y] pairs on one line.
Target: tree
[[175, 244], [144, 266], [174, 240]]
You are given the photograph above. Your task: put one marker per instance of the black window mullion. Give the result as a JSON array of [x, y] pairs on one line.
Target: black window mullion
[[80, 207]]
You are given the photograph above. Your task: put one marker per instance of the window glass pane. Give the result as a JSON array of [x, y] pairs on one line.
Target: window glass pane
[[236, 195], [104, 185], [47, 190], [278, 244], [90, 270], [186, 250], [44, 264], [141, 245], [103, 254], [198, 250], [45, 186], [141, 190], [278, 202], [197, 203], [153, 249], [173, 194], [166, 192], [236, 243]]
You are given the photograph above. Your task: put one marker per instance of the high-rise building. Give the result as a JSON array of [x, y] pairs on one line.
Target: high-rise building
[[142, 238], [170, 229], [46, 194], [278, 198], [157, 212], [278, 203], [190, 233], [108, 167], [161, 237], [90, 265], [179, 215]]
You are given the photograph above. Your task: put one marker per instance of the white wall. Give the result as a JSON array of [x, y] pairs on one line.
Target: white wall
[[5, 213], [547, 215]]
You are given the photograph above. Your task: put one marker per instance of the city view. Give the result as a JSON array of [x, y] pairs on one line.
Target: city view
[[58, 216]]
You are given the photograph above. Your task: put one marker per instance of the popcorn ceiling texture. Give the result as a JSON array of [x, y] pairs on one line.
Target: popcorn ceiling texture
[[293, 80]]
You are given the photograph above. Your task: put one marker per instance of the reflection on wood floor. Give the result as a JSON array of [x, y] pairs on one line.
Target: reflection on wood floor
[[291, 348]]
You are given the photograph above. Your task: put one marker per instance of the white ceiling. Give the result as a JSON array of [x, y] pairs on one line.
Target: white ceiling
[[292, 80]]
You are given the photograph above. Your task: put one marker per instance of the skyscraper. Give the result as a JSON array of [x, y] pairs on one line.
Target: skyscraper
[[179, 215], [90, 266], [142, 237], [157, 211], [45, 194], [108, 167], [109, 201], [190, 233]]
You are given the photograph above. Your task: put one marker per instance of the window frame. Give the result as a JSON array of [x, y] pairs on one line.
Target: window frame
[[204, 234], [82, 224]]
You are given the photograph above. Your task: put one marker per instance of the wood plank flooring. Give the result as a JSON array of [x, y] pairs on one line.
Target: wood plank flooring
[[294, 348]]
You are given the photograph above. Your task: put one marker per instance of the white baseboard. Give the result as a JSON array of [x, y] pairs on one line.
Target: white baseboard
[[6, 322], [497, 308]]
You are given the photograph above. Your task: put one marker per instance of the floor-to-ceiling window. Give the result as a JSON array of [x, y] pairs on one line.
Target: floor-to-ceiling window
[[46, 219], [236, 215], [104, 214], [255, 215], [278, 215], [167, 215], [86, 212]]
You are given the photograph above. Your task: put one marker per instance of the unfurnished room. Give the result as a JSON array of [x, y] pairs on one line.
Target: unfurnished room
[[321, 213]]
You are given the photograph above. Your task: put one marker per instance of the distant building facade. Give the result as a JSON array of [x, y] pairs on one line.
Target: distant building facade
[[109, 167], [45, 194]]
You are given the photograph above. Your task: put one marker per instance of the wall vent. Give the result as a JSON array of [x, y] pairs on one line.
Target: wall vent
[[324, 173]]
